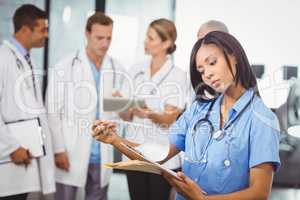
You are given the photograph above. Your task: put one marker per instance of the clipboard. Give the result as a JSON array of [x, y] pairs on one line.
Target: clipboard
[[153, 167], [28, 133]]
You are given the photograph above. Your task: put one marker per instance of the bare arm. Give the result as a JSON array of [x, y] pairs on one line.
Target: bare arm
[[173, 151], [126, 115], [167, 117], [164, 119], [105, 131], [261, 178]]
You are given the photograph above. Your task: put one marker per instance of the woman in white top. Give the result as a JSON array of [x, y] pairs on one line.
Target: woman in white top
[[162, 85]]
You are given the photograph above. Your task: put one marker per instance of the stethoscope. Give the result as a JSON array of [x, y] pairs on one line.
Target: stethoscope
[[154, 90], [219, 134], [77, 59], [18, 61], [21, 67]]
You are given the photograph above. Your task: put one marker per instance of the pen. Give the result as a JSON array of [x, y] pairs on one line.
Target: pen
[[28, 154]]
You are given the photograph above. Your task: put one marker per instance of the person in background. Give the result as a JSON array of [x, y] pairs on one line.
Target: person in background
[[162, 85], [229, 136], [76, 87], [23, 101]]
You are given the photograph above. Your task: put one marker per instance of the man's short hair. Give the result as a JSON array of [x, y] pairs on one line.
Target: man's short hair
[[26, 15], [98, 18], [215, 25]]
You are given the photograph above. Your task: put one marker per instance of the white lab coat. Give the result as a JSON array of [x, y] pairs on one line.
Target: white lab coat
[[170, 82], [71, 115], [14, 105]]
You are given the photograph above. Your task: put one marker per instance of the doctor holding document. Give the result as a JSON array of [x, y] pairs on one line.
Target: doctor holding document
[[76, 87], [21, 107], [162, 85], [230, 138]]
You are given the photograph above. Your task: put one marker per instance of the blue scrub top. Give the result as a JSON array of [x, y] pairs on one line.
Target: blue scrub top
[[95, 155], [221, 167]]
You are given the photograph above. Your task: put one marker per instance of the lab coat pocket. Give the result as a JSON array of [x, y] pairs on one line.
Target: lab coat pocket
[[70, 135]]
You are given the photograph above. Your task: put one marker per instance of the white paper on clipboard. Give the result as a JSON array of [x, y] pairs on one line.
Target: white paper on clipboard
[[142, 164], [29, 135]]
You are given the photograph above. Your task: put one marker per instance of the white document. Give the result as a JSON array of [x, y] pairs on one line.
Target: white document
[[119, 104], [152, 166], [29, 135]]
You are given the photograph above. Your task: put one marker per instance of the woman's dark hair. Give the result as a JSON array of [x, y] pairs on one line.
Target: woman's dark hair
[[229, 45]]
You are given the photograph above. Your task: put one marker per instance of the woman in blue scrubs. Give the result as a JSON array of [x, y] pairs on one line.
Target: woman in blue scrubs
[[230, 138]]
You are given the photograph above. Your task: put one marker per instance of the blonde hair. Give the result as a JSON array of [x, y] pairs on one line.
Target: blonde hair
[[167, 31]]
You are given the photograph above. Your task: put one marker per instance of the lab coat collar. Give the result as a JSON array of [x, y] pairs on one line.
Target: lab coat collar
[[18, 46], [106, 63], [162, 72], [17, 53]]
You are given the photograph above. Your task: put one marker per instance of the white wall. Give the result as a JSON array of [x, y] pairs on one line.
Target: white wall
[[268, 30]]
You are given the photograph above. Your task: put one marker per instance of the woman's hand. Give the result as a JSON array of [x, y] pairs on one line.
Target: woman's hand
[[117, 93], [105, 131], [186, 186], [141, 112]]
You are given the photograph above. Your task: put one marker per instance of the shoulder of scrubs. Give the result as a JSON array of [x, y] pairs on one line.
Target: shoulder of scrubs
[[264, 136], [180, 128]]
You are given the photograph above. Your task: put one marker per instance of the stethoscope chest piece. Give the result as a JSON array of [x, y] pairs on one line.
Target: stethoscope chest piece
[[219, 135], [227, 163]]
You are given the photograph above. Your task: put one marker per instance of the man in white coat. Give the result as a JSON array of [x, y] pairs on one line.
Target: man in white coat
[[75, 89], [21, 99]]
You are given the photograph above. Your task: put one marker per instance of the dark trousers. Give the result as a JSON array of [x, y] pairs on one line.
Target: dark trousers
[[15, 197], [147, 186]]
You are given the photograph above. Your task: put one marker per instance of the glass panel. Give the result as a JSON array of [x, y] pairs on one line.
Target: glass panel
[[7, 9], [67, 26]]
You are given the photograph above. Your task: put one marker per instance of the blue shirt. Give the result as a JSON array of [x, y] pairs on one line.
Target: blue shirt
[[18, 46], [95, 148], [223, 166]]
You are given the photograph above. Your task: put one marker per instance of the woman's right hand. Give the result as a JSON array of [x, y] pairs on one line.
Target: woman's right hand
[[105, 131]]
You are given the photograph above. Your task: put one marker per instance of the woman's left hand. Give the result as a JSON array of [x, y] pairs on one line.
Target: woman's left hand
[[186, 186], [141, 112]]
